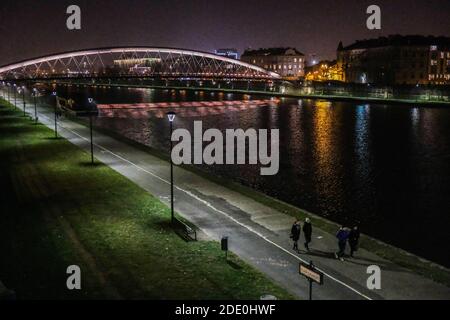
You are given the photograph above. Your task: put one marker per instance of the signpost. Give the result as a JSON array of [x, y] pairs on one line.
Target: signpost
[[312, 274]]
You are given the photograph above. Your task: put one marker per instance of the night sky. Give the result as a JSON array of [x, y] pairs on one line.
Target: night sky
[[30, 28]]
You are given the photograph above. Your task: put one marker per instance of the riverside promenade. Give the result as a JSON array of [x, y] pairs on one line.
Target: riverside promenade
[[257, 233]]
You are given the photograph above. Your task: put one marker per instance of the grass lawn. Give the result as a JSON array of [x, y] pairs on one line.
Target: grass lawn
[[57, 210]]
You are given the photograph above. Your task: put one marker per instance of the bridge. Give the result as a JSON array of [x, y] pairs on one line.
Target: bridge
[[134, 62]]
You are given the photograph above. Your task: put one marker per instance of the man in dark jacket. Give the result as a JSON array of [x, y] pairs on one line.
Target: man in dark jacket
[[342, 236], [353, 240], [307, 231], [295, 234]]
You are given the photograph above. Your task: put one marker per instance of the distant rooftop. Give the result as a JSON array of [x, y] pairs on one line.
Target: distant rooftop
[[272, 52], [397, 40]]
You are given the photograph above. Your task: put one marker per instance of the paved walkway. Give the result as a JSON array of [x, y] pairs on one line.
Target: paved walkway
[[257, 234]]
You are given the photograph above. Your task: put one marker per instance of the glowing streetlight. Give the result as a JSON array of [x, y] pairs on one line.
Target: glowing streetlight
[[35, 105], [55, 94], [23, 100], [8, 85], [171, 117], [15, 95], [91, 101]]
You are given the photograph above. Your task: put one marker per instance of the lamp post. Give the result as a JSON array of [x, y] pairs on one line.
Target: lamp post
[[90, 100], [23, 100], [15, 97], [171, 116], [35, 105], [19, 90], [55, 94]]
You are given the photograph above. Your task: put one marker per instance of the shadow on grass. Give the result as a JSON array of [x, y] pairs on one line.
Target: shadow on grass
[[234, 265], [165, 225], [89, 164], [54, 138]]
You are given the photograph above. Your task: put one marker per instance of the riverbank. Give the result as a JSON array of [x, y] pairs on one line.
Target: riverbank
[[58, 210]]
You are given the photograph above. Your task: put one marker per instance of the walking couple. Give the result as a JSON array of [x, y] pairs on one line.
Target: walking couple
[[345, 235], [296, 231]]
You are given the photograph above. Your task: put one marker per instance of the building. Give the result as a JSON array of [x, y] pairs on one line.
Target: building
[[287, 62], [409, 60], [229, 53], [324, 71]]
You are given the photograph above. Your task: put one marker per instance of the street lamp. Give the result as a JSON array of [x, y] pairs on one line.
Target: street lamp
[[171, 116], [9, 88], [55, 94], [35, 105], [15, 98], [23, 100], [19, 90], [91, 101]]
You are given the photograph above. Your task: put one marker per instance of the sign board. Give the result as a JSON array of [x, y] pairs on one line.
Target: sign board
[[311, 273]]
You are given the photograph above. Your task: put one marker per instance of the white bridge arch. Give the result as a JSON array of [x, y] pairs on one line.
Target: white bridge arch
[[133, 61]]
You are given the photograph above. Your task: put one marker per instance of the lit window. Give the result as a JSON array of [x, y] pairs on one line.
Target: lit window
[[433, 48], [295, 59], [433, 62]]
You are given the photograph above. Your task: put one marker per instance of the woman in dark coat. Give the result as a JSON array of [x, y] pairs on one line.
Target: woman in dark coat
[[295, 234], [307, 231], [353, 240]]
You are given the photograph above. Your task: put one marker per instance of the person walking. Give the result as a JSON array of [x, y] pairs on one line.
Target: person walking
[[307, 232], [353, 240], [342, 236], [295, 234]]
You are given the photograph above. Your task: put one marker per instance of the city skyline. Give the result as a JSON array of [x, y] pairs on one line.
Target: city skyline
[[208, 26]]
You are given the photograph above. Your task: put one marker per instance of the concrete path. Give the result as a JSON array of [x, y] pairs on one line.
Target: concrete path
[[257, 234]]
